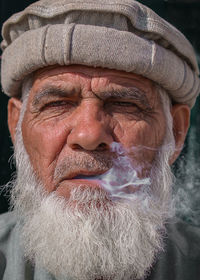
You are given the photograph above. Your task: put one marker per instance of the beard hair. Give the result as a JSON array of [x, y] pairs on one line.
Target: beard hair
[[88, 236]]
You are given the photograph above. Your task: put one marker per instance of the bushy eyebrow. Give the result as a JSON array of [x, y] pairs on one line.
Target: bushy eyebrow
[[130, 93], [51, 91]]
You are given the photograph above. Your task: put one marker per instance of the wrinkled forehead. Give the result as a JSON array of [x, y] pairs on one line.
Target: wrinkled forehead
[[88, 73], [91, 72], [83, 79]]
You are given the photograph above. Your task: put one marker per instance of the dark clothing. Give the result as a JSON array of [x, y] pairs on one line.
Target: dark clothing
[[181, 259]]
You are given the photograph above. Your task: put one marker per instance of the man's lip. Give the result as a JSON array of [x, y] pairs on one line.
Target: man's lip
[[94, 183], [87, 181], [65, 187], [84, 175]]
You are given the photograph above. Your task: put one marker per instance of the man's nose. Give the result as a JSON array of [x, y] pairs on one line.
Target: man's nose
[[90, 129]]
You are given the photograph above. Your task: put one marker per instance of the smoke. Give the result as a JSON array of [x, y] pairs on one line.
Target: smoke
[[187, 185], [122, 180], [133, 182]]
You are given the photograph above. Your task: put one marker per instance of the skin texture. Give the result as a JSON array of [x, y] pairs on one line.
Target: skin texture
[[82, 120]]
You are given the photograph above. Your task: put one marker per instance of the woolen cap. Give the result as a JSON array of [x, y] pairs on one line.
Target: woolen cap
[[115, 34]]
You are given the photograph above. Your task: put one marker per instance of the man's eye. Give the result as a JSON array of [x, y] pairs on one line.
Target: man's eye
[[123, 104], [123, 107], [59, 103]]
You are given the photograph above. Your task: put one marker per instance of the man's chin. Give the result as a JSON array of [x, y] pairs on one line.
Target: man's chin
[[85, 197]]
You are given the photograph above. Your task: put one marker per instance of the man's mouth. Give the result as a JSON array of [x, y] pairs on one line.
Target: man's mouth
[[68, 183], [87, 177]]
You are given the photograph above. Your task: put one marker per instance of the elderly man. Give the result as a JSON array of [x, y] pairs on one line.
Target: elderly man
[[101, 93]]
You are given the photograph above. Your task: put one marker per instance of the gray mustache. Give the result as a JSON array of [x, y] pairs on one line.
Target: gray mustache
[[83, 163]]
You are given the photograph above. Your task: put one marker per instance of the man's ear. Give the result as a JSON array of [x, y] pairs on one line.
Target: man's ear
[[14, 107], [181, 121]]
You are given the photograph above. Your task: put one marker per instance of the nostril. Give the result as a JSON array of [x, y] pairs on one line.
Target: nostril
[[102, 146], [77, 147]]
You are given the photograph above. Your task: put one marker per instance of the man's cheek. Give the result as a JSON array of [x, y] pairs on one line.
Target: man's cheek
[[43, 139], [43, 149], [137, 134]]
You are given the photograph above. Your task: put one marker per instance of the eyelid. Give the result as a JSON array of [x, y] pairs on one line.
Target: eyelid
[[52, 92], [56, 103], [140, 106], [125, 101]]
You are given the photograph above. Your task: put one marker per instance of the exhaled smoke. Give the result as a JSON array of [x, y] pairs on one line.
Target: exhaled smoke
[[125, 180], [186, 189], [122, 180]]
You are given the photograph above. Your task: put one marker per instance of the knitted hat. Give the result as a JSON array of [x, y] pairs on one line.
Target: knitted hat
[[115, 34]]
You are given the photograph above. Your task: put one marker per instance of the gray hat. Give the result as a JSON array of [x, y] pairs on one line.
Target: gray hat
[[115, 34]]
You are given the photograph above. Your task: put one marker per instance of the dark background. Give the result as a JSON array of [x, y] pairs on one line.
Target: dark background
[[185, 15]]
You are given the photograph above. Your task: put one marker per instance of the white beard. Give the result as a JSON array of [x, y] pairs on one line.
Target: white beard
[[93, 238]]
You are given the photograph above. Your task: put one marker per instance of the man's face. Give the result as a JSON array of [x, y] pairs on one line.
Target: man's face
[[77, 112]]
